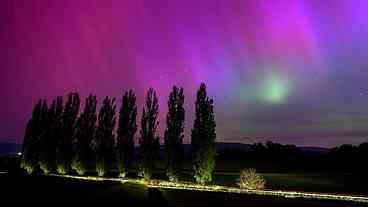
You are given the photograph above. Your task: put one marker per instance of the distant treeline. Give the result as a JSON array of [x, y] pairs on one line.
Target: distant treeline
[[59, 138], [346, 157]]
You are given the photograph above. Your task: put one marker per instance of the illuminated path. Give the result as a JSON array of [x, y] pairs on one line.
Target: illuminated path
[[225, 189]]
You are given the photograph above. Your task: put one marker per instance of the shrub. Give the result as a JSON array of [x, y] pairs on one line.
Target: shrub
[[100, 168], [122, 172], [172, 175], [28, 167], [145, 172], [61, 169], [79, 166], [46, 169], [250, 179]]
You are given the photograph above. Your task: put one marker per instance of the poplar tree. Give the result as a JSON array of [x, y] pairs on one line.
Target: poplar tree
[[149, 143], [65, 144], [31, 141], [174, 133], [50, 135], [126, 131], [29, 158], [84, 134], [203, 137], [104, 140]]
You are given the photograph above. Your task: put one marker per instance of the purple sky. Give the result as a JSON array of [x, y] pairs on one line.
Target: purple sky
[[288, 71]]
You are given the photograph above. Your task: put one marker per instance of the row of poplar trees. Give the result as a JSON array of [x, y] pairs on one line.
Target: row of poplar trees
[[59, 138]]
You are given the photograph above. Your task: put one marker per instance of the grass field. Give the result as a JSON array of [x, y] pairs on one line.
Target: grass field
[[312, 182], [45, 190], [36, 189]]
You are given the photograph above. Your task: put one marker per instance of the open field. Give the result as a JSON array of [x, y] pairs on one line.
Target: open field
[[13, 182], [298, 181], [45, 190]]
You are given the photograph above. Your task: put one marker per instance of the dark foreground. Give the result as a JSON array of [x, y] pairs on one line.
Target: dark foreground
[[50, 191]]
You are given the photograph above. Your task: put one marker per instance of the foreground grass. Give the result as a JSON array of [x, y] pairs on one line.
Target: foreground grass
[[227, 174], [189, 186], [50, 190], [37, 188]]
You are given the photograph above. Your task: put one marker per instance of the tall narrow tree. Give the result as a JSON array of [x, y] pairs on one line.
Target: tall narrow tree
[[50, 136], [29, 157], [149, 143], [203, 137], [104, 141], [126, 132], [31, 142], [84, 134], [65, 144], [174, 133]]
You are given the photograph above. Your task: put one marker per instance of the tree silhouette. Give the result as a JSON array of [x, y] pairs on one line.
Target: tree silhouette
[[50, 135], [174, 133], [203, 137], [104, 140], [149, 143], [126, 131], [31, 142], [84, 134], [29, 147], [65, 144]]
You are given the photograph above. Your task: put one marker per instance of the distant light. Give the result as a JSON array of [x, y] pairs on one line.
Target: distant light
[[19, 153]]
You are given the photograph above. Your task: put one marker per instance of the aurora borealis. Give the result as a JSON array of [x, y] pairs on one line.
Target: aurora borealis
[[288, 71]]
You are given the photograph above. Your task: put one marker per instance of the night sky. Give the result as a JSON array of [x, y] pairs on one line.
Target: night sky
[[288, 71]]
